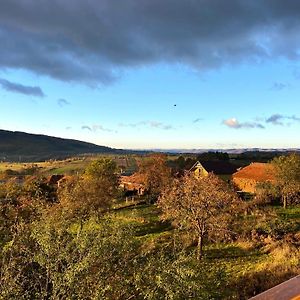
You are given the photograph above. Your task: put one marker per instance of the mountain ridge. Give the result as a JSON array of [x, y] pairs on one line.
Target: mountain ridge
[[22, 146]]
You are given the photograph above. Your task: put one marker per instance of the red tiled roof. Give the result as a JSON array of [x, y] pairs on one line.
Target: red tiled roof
[[134, 178], [256, 171]]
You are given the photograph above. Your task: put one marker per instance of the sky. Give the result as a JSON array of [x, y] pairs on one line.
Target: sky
[[143, 74]]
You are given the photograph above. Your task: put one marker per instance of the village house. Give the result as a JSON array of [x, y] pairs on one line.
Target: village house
[[133, 184], [247, 178], [223, 169]]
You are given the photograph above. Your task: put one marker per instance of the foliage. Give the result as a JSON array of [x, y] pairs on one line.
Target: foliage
[[91, 193], [155, 173], [83, 247], [213, 156], [204, 205], [266, 193], [287, 173]]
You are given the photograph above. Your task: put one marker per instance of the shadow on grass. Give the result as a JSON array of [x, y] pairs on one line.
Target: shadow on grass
[[153, 228], [229, 252]]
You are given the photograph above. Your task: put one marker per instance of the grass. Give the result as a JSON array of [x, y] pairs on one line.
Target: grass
[[244, 262], [68, 166], [144, 217], [289, 213]]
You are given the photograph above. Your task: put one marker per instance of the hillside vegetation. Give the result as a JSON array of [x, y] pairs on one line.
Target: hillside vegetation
[[87, 240], [20, 146]]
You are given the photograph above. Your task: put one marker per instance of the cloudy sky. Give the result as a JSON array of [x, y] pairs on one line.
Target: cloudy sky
[[153, 73]]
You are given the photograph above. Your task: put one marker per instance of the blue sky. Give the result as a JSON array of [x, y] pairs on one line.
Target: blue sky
[[166, 100]]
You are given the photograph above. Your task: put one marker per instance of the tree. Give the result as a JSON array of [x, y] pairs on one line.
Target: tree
[[93, 192], [204, 205], [213, 156], [287, 175], [155, 173]]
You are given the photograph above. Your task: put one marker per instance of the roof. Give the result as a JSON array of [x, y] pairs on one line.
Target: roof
[[287, 290], [136, 180], [218, 167], [256, 171]]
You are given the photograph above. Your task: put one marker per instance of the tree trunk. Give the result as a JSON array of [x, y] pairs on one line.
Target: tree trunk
[[200, 247], [284, 202]]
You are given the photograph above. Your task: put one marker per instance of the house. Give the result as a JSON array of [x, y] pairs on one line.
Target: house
[[223, 169], [133, 184], [248, 177], [198, 170]]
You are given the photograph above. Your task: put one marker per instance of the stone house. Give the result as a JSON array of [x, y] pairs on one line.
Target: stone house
[[248, 177]]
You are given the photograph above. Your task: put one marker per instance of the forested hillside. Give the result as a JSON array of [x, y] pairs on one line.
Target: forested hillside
[[21, 146]]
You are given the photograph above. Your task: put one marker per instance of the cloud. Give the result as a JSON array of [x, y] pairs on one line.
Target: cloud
[[278, 119], [197, 120], [133, 125], [85, 127], [234, 123], [151, 124], [94, 41], [275, 119], [96, 127], [278, 86], [21, 89], [63, 102], [160, 125], [101, 128]]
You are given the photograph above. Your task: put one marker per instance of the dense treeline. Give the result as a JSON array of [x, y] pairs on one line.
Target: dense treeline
[[73, 241]]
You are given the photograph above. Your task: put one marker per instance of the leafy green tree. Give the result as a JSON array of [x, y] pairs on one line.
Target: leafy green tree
[[287, 174], [92, 193], [204, 205]]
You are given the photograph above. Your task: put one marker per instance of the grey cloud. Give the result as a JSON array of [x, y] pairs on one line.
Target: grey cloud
[[85, 127], [278, 119], [278, 86], [20, 88], [160, 125], [94, 41], [197, 120], [96, 127], [152, 124], [62, 102], [275, 119], [133, 125], [101, 128], [234, 123]]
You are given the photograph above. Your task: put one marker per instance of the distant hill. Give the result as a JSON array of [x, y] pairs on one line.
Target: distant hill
[[21, 146]]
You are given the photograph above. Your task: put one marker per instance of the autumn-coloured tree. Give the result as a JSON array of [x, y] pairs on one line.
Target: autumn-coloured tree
[[93, 192], [204, 205], [155, 173], [287, 174]]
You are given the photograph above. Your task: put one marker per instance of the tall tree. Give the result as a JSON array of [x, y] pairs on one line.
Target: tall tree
[[204, 205]]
